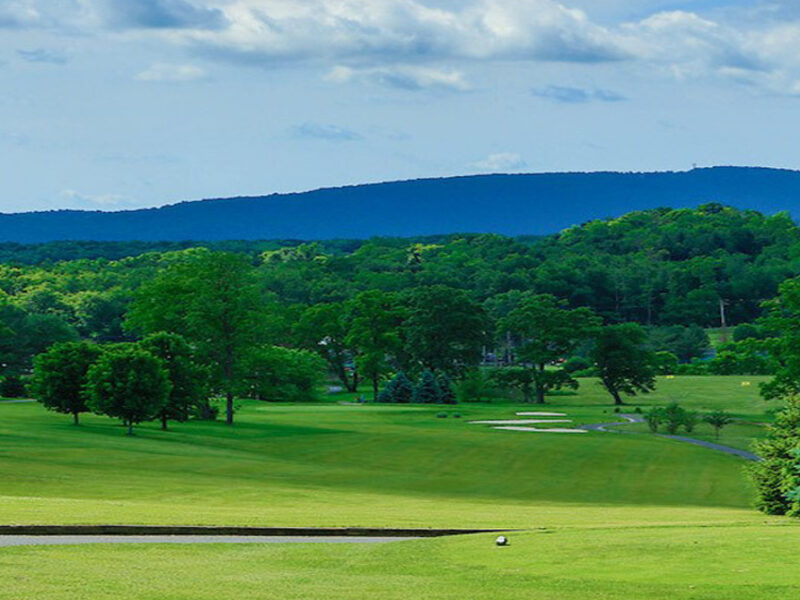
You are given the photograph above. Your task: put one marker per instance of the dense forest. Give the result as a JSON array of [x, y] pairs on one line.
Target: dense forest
[[656, 267], [673, 271]]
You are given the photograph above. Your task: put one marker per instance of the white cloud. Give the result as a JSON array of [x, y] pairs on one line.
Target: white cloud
[[401, 30], [172, 73], [405, 77], [402, 43], [502, 162]]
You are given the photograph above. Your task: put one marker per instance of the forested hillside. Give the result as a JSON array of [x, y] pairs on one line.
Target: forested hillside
[[533, 204], [658, 267]]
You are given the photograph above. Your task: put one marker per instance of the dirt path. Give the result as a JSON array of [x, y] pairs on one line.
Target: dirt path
[[635, 418]]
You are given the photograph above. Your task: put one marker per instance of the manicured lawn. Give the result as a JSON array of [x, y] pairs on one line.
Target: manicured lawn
[[736, 563], [328, 464], [607, 515]]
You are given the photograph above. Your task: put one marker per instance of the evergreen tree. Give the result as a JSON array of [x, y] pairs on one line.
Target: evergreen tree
[[446, 393], [427, 390], [776, 476], [402, 389]]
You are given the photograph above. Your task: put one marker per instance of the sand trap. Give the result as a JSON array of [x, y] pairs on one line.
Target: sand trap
[[522, 421], [539, 430], [540, 414]]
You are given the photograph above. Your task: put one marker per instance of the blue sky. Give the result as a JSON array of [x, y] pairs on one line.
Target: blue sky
[[110, 104]]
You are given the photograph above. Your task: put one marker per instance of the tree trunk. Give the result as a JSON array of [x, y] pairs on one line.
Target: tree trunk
[[540, 385], [375, 383], [229, 408], [539, 395], [617, 400], [164, 422], [130, 427], [75, 419]]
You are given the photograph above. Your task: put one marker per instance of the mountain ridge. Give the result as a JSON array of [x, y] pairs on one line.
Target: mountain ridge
[[510, 204]]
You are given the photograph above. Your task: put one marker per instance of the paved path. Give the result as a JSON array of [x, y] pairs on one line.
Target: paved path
[[15, 401], [602, 426], [635, 418], [725, 449], [59, 540]]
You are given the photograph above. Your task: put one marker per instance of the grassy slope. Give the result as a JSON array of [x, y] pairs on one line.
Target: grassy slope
[[626, 517], [362, 465]]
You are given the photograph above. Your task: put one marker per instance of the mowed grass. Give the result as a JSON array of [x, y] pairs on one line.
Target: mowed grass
[[604, 515], [736, 563], [371, 465]]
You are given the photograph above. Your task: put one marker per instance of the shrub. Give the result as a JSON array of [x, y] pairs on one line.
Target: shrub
[[654, 417], [13, 387], [577, 363], [441, 415], [674, 417], [473, 387], [689, 421]]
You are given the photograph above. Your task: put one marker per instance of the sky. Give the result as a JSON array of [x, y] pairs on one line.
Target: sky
[[119, 104]]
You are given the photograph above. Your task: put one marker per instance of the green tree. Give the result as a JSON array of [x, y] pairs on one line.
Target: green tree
[[718, 419], [427, 390], [25, 335], [399, 390], [548, 331], [446, 392], [278, 374], [776, 476], [374, 333], [622, 361], [519, 378], [211, 299], [324, 328], [128, 383], [783, 315], [188, 389], [59, 377], [445, 330]]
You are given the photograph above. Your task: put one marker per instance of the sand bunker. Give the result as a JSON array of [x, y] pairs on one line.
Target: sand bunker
[[521, 421], [540, 430], [540, 414]]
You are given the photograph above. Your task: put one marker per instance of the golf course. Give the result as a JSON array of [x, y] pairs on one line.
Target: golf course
[[601, 514]]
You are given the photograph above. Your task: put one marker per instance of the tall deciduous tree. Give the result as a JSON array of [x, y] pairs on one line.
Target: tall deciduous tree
[[374, 333], [548, 331], [129, 383], [323, 328], [188, 389], [59, 376], [445, 330], [212, 300], [622, 361]]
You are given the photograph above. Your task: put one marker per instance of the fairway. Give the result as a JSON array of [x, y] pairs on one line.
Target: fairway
[[599, 510], [331, 465]]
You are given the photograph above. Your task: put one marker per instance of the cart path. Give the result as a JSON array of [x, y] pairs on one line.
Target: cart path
[[635, 418], [60, 540]]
